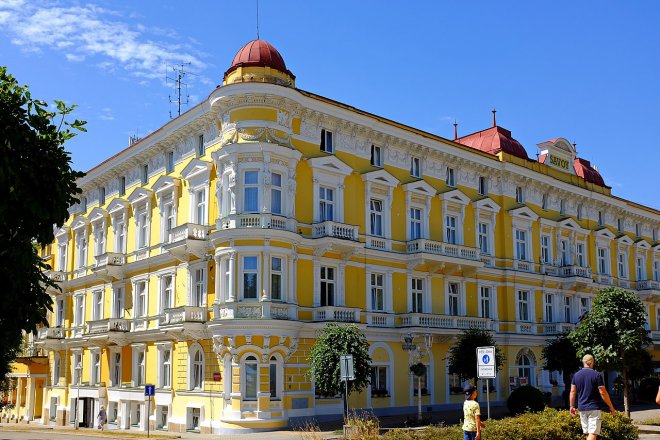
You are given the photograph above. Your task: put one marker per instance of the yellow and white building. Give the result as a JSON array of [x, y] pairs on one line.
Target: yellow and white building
[[204, 259]]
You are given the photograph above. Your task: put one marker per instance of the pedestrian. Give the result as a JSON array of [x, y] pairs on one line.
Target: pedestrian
[[102, 418], [472, 423], [588, 388], [657, 398]]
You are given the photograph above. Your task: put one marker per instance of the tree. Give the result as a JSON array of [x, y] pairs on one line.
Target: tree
[[37, 186], [332, 342], [559, 355], [462, 355], [614, 332]]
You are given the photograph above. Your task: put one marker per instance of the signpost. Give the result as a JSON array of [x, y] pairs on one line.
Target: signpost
[[149, 392], [486, 369], [346, 373]]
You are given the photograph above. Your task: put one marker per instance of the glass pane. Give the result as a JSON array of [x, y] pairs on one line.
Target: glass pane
[[251, 381], [251, 177]]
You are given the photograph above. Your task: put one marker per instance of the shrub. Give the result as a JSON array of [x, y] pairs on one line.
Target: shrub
[[526, 398], [648, 388], [362, 426]]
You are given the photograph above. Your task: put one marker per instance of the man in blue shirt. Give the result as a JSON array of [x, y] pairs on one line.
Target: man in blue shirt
[[588, 386]]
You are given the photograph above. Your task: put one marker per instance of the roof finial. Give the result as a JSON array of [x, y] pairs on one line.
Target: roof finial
[[494, 110], [257, 19], [455, 129]]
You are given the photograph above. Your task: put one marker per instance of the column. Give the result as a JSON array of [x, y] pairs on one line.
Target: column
[[341, 291], [317, 293], [265, 279], [231, 291], [218, 278], [20, 384], [236, 397]]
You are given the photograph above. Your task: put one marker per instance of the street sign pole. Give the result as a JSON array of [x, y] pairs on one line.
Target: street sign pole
[[346, 373], [486, 369]]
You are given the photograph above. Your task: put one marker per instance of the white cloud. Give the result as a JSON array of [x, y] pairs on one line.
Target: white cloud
[[106, 114], [90, 31]]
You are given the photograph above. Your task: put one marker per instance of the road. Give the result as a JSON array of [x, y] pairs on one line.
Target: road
[[23, 433]]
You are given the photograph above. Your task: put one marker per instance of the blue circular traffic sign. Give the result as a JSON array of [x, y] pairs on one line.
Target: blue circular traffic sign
[[486, 359]]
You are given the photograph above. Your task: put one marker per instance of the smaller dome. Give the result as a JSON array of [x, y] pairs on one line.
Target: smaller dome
[[493, 140], [259, 53], [589, 173]]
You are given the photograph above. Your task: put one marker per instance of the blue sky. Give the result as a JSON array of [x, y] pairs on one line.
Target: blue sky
[[587, 71]]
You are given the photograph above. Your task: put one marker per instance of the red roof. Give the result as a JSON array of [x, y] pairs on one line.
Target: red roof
[[258, 53], [493, 140], [584, 169]]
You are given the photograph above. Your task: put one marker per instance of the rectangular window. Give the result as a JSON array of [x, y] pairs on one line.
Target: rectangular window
[[377, 292], [142, 231], [170, 162], [545, 249], [327, 286], [77, 368], [602, 260], [122, 186], [326, 204], [656, 270], [250, 277], [450, 179], [276, 193], [138, 368], [115, 369], [201, 148], [453, 298], [450, 229], [145, 174], [520, 195], [200, 206], [276, 278], [97, 310], [82, 252], [415, 169], [59, 316], [166, 369], [483, 186], [96, 368], [102, 196], [61, 261], [564, 249], [79, 315], [521, 245], [84, 204], [168, 219], [251, 191], [199, 286], [567, 309], [272, 380], [378, 381], [523, 306], [483, 239], [141, 299], [621, 262], [415, 223], [99, 238], [600, 218], [579, 255], [166, 293], [641, 269], [417, 292], [619, 225], [376, 214], [485, 302], [326, 141], [548, 313], [251, 380], [544, 201], [376, 156], [118, 303], [120, 238]]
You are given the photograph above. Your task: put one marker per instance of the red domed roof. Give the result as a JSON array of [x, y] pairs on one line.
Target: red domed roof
[[258, 53], [584, 169], [493, 140]]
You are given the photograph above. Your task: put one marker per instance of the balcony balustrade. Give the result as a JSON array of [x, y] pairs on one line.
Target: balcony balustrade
[[50, 333], [379, 243], [649, 290], [446, 249], [337, 314], [380, 319], [184, 314], [257, 220], [255, 310], [604, 279], [523, 266], [648, 285], [623, 283], [575, 271], [187, 240], [335, 230], [443, 321], [56, 276], [108, 325]]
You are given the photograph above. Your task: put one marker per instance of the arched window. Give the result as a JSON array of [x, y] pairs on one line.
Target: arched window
[[57, 369], [196, 379], [524, 367], [251, 371], [273, 378]]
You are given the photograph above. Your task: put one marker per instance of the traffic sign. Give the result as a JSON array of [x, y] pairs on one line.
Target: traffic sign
[[149, 390], [486, 364], [346, 367], [217, 377]]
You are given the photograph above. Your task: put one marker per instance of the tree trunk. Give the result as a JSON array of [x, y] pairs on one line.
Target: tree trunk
[[419, 398], [625, 393]]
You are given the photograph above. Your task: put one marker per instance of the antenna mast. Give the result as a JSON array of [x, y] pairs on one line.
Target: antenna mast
[[257, 19], [179, 73]]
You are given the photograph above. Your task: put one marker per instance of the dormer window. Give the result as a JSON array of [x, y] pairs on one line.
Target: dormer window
[[483, 185], [415, 168], [520, 195], [326, 141], [450, 180], [376, 156]]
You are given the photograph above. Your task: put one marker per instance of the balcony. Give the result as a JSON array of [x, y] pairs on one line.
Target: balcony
[[523, 266], [188, 240], [56, 276], [337, 314], [655, 336], [649, 290], [184, 314], [335, 230], [110, 266], [255, 310], [576, 276], [623, 283], [555, 328], [378, 243], [604, 279], [261, 221], [103, 326], [430, 320], [380, 319], [451, 257], [50, 333], [549, 269]]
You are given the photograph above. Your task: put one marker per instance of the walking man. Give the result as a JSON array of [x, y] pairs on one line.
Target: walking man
[[588, 387]]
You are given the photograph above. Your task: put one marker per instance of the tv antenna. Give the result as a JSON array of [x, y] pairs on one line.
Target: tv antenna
[[177, 75]]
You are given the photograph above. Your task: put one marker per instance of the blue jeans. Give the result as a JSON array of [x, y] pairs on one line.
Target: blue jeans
[[469, 435]]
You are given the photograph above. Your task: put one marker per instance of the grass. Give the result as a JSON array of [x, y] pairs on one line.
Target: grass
[[655, 421]]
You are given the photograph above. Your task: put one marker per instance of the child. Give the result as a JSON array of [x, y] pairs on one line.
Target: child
[[472, 423]]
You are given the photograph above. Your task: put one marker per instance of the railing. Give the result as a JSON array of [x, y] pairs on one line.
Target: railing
[[549, 269], [184, 314], [255, 310], [648, 285], [440, 248], [189, 231], [56, 276], [604, 279], [442, 321], [110, 259], [488, 260], [555, 328], [376, 319], [266, 221], [575, 271], [336, 230], [338, 314], [623, 283], [525, 266], [380, 243], [108, 325], [50, 333], [30, 350]]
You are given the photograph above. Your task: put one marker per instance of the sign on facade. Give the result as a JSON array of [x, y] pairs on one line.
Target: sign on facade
[[217, 377], [149, 390], [346, 367], [486, 365]]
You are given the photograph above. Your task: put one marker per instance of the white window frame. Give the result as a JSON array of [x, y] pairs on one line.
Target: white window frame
[[546, 249], [62, 248], [484, 237], [417, 296], [276, 191], [57, 369], [656, 270], [77, 367], [377, 289], [640, 269], [520, 195], [451, 229], [329, 172], [82, 242], [567, 308], [580, 254], [375, 214], [251, 187], [529, 302], [492, 301], [95, 366], [79, 309], [166, 289], [244, 372], [603, 260], [138, 370], [196, 369], [549, 307], [482, 187], [450, 178], [416, 223], [164, 379], [415, 167], [329, 281], [97, 304], [459, 297], [376, 156], [115, 367], [622, 265], [521, 244], [327, 141], [324, 203], [281, 273], [118, 301], [197, 284], [256, 273], [60, 311], [167, 193]]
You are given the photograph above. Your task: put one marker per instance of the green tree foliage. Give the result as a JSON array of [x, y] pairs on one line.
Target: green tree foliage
[[333, 341], [559, 354], [614, 331], [462, 355], [37, 186]]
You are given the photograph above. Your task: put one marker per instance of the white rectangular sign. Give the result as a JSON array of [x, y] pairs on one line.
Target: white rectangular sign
[[486, 364], [346, 367]]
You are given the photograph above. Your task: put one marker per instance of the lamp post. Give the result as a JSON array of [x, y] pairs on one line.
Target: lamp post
[[410, 348]]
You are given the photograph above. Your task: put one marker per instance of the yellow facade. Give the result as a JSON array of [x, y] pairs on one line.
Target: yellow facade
[[225, 240]]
